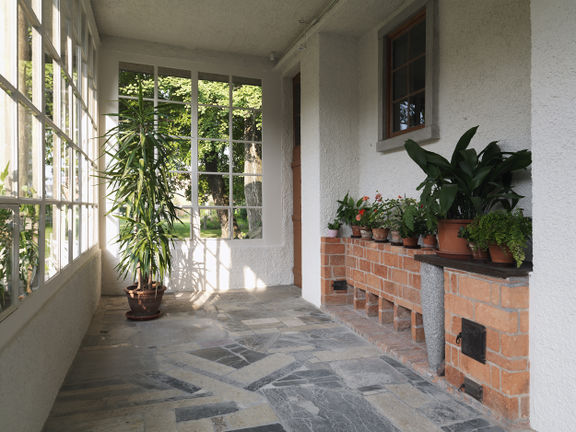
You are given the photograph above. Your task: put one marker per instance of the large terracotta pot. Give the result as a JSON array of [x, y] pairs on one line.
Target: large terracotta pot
[[366, 233], [449, 244], [478, 254], [355, 231], [144, 305], [500, 255], [380, 234], [429, 241]]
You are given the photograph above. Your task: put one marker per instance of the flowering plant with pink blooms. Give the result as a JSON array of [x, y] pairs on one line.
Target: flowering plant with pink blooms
[[348, 209]]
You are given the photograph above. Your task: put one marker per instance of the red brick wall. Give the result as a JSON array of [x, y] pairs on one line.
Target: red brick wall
[[502, 306], [384, 280]]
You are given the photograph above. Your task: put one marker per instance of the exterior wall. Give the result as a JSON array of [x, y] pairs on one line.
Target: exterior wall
[[211, 264], [328, 151], [483, 79], [38, 343], [552, 295]]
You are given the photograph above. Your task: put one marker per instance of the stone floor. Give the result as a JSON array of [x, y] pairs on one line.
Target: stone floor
[[245, 361]]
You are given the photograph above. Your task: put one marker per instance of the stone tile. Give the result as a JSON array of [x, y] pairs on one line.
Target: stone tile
[[256, 416], [409, 394], [204, 425], [204, 411], [442, 413], [262, 368], [362, 373], [401, 415], [318, 409], [233, 355], [276, 427], [260, 321], [318, 377], [348, 354]]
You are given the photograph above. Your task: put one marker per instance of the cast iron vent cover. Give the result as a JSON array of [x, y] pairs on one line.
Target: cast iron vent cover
[[473, 339], [339, 285]]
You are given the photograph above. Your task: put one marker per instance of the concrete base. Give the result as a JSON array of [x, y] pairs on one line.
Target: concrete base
[[432, 297]]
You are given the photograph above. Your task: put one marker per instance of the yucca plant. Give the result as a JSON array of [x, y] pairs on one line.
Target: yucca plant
[[141, 155]]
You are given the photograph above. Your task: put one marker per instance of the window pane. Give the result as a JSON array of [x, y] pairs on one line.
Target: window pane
[[64, 54], [247, 190], [183, 150], [213, 89], [247, 158], [49, 185], [127, 106], [247, 223], [418, 39], [8, 163], [49, 18], [400, 83], [25, 67], [182, 228], [65, 174], [65, 228], [214, 223], [417, 106], [213, 190], [51, 262], [418, 74], [247, 125], [174, 119], [8, 40], [6, 245], [400, 50], [246, 93], [75, 231], [400, 116], [85, 228], [29, 155], [48, 86], [212, 122], [75, 67], [181, 185], [129, 76], [76, 178], [28, 249], [65, 102], [174, 85], [213, 156]]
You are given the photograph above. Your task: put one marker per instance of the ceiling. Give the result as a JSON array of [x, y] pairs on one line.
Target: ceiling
[[251, 27]]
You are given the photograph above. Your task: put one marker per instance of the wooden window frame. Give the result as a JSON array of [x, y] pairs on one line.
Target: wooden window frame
[[402, 22]]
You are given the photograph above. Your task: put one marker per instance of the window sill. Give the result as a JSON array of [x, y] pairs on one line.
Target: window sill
[[421, 136]]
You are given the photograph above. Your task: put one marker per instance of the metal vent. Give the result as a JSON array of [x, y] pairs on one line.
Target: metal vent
[[473, 389], [340, 285], [473, 340]]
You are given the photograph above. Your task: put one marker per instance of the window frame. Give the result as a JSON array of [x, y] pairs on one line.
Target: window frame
[[422, 133]]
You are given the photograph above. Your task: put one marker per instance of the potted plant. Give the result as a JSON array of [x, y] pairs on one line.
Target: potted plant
[[470, 184], [333, 228], [476, 238], [365, 218], [506, 234], [412, 221], [141, 156], [381, 222], [347, 212]]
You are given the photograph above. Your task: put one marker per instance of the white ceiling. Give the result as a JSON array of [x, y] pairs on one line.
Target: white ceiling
[[252, 27]]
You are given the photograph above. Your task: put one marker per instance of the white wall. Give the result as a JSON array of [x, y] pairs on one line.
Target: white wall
[[38, 343], [210, 263], [552, 293], [484, 79]]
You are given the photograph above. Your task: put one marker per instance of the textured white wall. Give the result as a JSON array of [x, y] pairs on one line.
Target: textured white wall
[[552, 294], [329, 149], [484, 79], [205, 263], [38, 343]]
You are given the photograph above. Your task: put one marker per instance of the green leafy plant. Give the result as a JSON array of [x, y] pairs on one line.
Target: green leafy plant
[[141, 155], [409, 218], [511, 230], [334, 225], [348, 209], [470, 183]]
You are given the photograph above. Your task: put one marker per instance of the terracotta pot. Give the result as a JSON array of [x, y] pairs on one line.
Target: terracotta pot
[[478, 254], [380, 234], [410, 242], [500, 255], [395, 237], [429, 241], [332, 233], [144, 305], [449, 244], [366, 233], [355, 230]]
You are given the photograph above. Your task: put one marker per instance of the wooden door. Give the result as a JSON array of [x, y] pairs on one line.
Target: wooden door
[[296, 180]]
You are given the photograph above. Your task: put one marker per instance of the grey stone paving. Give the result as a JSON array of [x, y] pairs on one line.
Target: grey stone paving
[[245, 361]]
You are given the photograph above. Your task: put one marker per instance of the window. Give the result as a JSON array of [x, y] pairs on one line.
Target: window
[[407, 78], [218, 131], [47, 141]]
